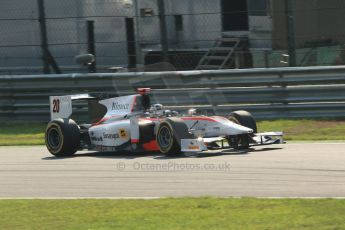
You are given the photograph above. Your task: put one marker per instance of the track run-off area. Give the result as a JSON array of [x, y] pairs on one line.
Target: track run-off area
[[288, 170]]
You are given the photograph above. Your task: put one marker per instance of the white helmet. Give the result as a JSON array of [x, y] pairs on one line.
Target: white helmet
[[157, 107]]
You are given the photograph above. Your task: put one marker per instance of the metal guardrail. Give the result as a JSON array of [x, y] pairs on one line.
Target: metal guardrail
[[268, 93]]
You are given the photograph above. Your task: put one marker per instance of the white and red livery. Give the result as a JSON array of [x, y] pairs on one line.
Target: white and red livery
[[130, 123]]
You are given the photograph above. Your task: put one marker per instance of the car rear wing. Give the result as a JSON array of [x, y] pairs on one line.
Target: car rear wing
[[61, 106]]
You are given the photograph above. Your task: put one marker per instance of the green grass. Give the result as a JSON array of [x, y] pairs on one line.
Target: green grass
[[295, 130], [182, 213], [306, 130], [22, 134]]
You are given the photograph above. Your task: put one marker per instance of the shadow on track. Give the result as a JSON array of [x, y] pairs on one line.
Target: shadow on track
[[110, 155], [159, 156], [233, 152]]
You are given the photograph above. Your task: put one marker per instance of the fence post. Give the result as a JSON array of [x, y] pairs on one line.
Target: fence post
[[290, 33], [47, 57], [91, 45], [163, 30], [44, 39], [131, 46]]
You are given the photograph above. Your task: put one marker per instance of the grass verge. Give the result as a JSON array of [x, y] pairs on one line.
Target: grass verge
[[306, 130], [22, 134], [294, 130], [182, 213]]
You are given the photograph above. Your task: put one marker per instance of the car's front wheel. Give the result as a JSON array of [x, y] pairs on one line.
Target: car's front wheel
[[245, 119], [169, 135]]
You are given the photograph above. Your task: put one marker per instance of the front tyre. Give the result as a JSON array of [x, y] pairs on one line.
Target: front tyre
[[169, 135], [165, 139], [245, 119], [62, 137]]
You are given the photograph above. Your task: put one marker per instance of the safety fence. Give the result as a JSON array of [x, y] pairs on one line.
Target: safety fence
[[38, 34], [304, 92]]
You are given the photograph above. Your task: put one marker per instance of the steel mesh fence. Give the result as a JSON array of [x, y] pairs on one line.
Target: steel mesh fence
[[192, 27]]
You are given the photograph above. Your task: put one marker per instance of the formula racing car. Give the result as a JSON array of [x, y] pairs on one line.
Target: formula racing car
[[131, 123]]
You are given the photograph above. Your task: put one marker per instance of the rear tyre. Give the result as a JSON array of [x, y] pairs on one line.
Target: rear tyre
[[246, 119], [169, 135], [62, 137]]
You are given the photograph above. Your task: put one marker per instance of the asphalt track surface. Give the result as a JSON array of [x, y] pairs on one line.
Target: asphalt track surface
[[290, 170]]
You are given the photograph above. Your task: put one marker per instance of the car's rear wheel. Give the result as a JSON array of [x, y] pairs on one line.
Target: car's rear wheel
[[62, 137], [169, 135], [246, 119]]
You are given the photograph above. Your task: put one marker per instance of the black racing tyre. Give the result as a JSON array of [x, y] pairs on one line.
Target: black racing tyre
[[169, 135], [62, 137], [244, 118]]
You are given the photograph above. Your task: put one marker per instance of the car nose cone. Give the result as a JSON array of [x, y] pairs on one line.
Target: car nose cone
[[236, 129]]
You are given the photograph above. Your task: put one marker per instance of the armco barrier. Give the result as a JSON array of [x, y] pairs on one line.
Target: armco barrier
[[267, 93]]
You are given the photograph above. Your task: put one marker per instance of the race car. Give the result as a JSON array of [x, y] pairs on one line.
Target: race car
[[131, 123]]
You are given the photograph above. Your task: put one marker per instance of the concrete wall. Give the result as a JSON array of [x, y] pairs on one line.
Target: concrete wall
[[66, 28], [22, 33], [201, 23], [66, 24]]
